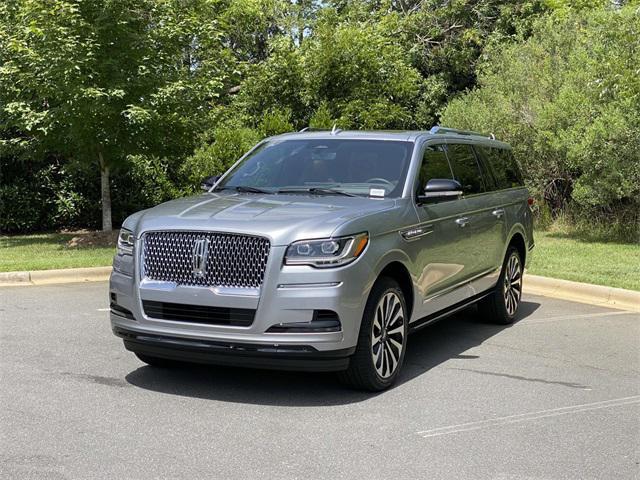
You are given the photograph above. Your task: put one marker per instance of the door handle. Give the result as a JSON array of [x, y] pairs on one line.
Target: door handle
[[462, 221], [498, 212]]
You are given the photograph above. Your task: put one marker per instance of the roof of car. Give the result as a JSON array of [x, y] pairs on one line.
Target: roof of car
[[397, 135]]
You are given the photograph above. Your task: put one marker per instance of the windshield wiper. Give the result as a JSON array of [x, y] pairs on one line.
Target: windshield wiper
[[317, 191], [244, 189]]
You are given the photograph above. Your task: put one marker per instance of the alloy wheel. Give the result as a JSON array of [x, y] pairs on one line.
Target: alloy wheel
[[512, 289], [387, 334]]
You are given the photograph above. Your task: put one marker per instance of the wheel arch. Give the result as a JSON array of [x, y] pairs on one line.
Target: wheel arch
[[398, 271], [517, 238]]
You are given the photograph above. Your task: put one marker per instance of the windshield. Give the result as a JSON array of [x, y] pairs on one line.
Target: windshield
[[375, 168]]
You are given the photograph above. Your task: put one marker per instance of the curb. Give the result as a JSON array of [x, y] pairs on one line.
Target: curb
[[583, 292], [48, 277], [549, 287]]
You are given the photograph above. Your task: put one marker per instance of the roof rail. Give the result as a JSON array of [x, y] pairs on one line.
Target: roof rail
[[334, 130], [439, 129], [313, 129]]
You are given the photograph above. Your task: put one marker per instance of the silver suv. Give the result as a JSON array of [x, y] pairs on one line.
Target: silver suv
[[323, 250]]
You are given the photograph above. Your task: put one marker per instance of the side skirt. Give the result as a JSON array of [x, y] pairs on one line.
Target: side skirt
[[428, 320]]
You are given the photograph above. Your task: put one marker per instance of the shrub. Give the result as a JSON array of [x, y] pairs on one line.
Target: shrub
[[567, 99], [20, 208], [229, 144], [141, 183]]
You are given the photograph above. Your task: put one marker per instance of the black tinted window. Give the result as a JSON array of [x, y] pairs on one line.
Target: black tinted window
[[434, 165], [504, 167], [465, 168]]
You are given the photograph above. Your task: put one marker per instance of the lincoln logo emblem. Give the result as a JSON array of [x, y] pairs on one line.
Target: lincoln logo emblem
[[199, 259]]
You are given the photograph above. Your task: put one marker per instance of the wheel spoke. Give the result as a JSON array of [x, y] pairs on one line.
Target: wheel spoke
[[398, 329], [392, 308], [396, 316], [396, 344], [385, 363], [514, 302], [394, 360]]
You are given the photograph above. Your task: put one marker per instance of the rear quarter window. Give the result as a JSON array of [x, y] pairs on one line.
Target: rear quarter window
[[504, 166]]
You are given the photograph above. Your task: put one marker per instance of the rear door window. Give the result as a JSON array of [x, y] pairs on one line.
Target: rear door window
[[465, 168]]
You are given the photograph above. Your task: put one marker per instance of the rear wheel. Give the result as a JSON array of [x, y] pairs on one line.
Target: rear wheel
[[157, 361], [382, 340], [502, 305]]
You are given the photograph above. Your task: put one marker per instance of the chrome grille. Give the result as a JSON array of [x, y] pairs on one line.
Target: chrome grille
[[233, 260]]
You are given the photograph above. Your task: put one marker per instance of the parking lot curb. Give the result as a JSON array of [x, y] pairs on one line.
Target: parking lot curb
[[582, 292], [48, 277], [549, 287]]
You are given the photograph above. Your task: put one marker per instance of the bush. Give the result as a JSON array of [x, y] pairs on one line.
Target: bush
[[20, 208], [67, 196], [35, 197], [141, 183], [229, 144], [567, 100]]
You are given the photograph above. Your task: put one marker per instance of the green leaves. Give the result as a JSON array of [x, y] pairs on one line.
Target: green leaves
[[176, 90], [568, 99]]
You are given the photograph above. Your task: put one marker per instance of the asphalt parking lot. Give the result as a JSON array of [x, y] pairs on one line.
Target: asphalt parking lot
[[555, 396]]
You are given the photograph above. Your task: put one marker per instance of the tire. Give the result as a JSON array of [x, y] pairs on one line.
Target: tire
[[382, 340], [157, 361], [501, 306]]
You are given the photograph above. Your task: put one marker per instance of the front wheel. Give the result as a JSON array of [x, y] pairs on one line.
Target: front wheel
[[382, 340], [501, 306]]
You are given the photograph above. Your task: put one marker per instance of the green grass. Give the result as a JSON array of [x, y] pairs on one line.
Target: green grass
[[47, 251], [557, 254], [571, 257]]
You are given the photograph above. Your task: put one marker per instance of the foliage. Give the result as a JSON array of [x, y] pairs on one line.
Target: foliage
[[99, 80], [568, 99], [152, 96], [361, 75], [227, 144]]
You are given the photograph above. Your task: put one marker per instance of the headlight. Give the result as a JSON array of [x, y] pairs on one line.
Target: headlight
[[326, 252], [125, 242]]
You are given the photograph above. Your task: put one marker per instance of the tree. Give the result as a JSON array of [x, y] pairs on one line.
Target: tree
[[568, 100], [100, 80]]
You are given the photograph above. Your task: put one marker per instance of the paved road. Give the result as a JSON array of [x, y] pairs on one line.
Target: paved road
[[557, 395]]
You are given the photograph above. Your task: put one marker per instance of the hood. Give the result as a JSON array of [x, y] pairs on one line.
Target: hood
[[281, 218]]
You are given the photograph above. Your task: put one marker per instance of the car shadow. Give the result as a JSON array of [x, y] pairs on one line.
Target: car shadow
[[427, 348]]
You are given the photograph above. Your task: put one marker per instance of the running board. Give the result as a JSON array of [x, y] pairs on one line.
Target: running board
[[429, 319]]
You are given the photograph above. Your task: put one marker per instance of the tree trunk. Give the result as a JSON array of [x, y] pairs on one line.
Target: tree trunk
[[105, 193]]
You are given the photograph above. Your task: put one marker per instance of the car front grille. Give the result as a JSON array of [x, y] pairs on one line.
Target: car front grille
[[232, 261], [178, 312]]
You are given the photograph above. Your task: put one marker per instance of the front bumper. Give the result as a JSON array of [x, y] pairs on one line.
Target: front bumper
[[265, 356], [289, 295]]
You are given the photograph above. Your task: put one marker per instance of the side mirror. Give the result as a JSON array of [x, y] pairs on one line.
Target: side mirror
[[440, 189], [209, 182]]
